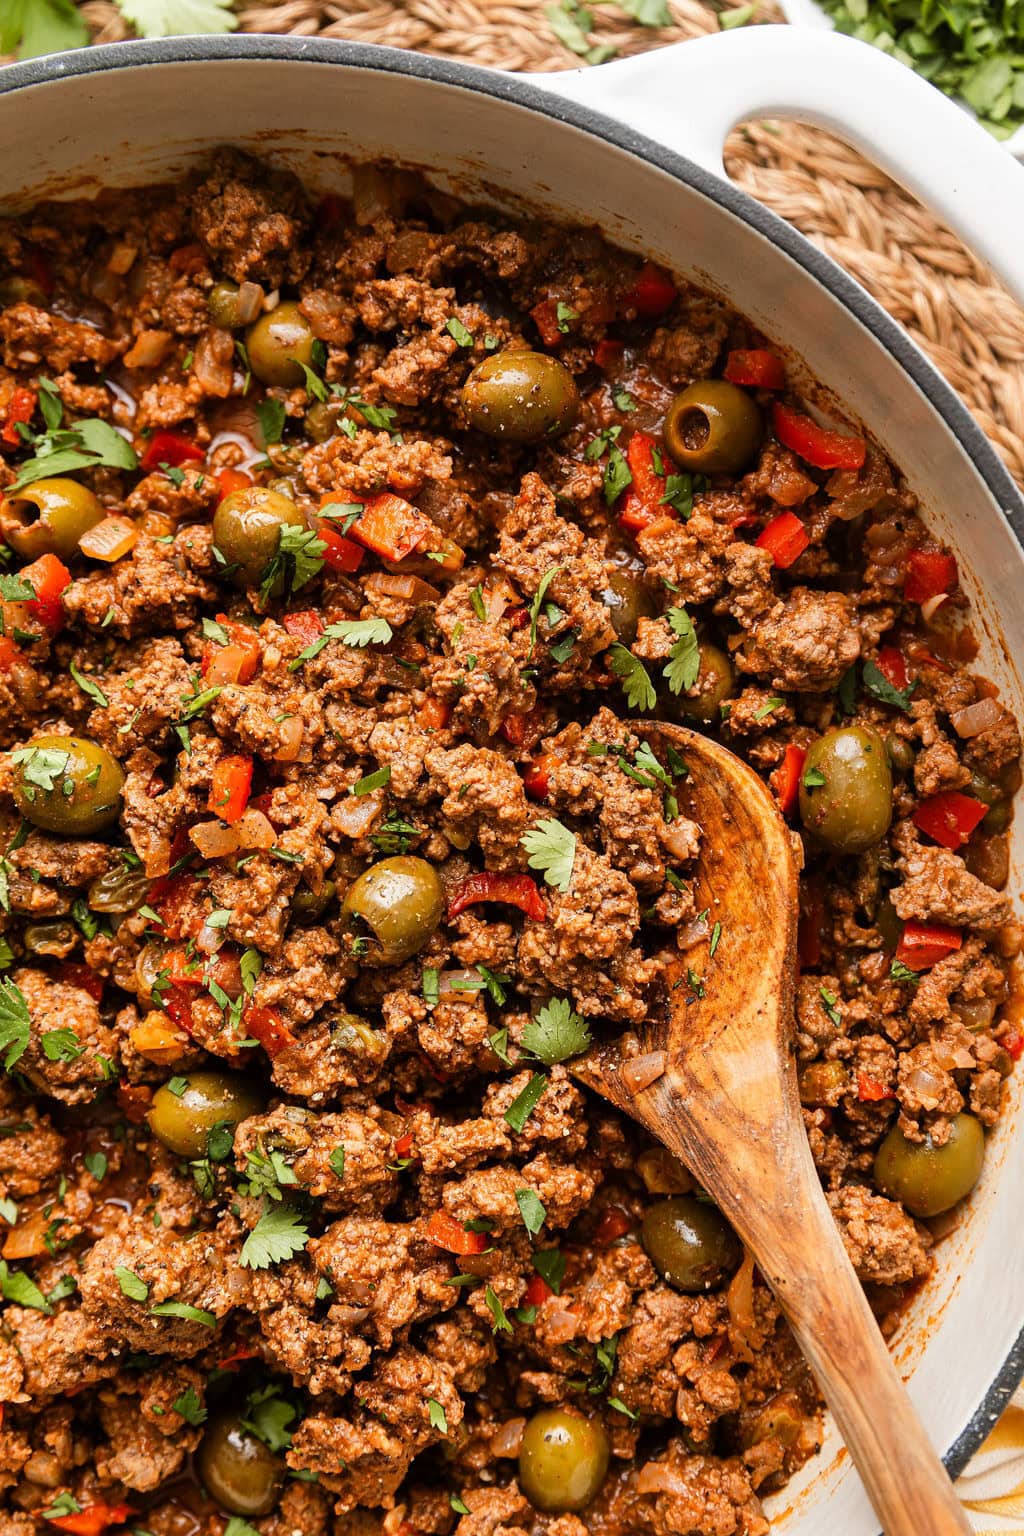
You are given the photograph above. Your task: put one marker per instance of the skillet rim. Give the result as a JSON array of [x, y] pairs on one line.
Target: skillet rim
[[50, 69]]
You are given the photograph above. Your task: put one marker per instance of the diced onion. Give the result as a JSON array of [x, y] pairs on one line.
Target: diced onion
[[254, 830], [110, 539], [642, 1071], [408, 589], [507, 1440], [209, 940], [682, 839], [214, 840], [931, 605], [214, 362], [248, 302], [148, 350], [927, 1087], [356, 814], [975, 718], [979, 1013], [560, 1324], [739, 1299], [658, 1477], [122, 258], [693, 933], [291, 740]]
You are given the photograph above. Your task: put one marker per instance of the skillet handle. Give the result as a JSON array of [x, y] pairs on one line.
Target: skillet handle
[[688, 96]]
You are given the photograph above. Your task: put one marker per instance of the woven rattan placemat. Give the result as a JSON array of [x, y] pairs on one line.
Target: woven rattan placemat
[[915, 267]]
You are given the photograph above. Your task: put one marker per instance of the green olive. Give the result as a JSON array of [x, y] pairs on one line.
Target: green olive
[[823, 1082], [67, 784], [846, 789], [247, 530], [54, 939], [119, 890], [238, 1470], [321, 422], [280, 345], [713, 427], [400, 901], [928, 1179], [351, 1033], [183, 1121], [521, 396], [628, 600], [309, 905], [563, 1460], [998, 818], [65, 510], [715, 682], [690, 1243], [222, 302]]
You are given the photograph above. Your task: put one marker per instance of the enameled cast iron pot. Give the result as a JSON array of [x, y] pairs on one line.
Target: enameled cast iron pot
[[636, 148]]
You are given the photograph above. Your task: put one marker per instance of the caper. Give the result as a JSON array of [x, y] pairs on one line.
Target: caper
[[238, 1470], [53, 939], [846, 789], [67, 784], [321, 422], [64, 511], [119, 890], [183, 1121], [280, 346], [715, 683], [521, 396], [713, 427], [563, 1460], [900, 752], [400, 901], [309, 905], [247, 530], [926, 1178], [628, 600], [222, 303], [690, 1243]]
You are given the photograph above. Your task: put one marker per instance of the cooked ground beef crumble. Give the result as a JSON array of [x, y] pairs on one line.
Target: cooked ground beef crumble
[[329, 842]]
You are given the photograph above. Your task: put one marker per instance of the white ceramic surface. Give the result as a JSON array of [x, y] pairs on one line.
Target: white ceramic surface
[[808, 13], [131, 113]]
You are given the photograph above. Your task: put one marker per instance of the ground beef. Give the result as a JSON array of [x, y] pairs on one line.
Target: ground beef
[[399, 1227]]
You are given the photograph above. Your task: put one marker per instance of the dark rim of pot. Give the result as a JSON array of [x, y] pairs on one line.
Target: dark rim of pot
[[505, 87]]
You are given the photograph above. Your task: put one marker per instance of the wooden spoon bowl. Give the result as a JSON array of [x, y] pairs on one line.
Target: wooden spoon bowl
[[713, 1078]]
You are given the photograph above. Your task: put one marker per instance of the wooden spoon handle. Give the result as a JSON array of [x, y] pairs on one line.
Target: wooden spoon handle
[[783, 1217]]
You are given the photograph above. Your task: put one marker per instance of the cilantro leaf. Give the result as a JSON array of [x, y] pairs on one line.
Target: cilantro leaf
[[189, 1406], [268, 1415], [550, 1265], [41, 766], [524, 1104], [20, 1288], [501, 1323], [538, 599], [636, 681], [531, 1209], [556, 1032], [879, 686], [60, 1045], [184, 1312], [456, 329], [14, 1022], [89, 688], [552, 849], [271, 416], [683, 667], [297, 559], [178, 18], [132, 1285], [617, 475], [354, 632], [279, 1234], [436, 1414], [336, 1162], [376, 780]]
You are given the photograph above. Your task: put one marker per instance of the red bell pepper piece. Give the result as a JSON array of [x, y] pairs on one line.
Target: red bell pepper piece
[[893, 666], [785, 538], [93, 1519], [391, 526], [172, 448], [403, 1146], [929, 573], [1013, 1044], [923, 944], [266, 1026], [811, 923], [231, 480], [133, 1101], [538, 1292], [821, 446], [756, 368], [177, 1004], [445, 1232], [236, 662], [924, 657], [171, 896], [652, 292], [74, 974], [433, 714], [233, 1361], [517, 890], [615, 1223], [545, 318], [537, 778], [341, 554], [950, 818], [524, 730], [305, 625], [870, 1090], [48, 577], [230, 786], [608, 354], [20, 410], [785, 781], [10, 652], [642, 504]]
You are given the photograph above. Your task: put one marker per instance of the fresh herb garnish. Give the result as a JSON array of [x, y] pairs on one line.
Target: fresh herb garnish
[[556, 1032], [552, 849]]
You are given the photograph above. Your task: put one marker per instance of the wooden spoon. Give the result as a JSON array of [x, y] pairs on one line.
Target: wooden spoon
[[727, 1105]]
